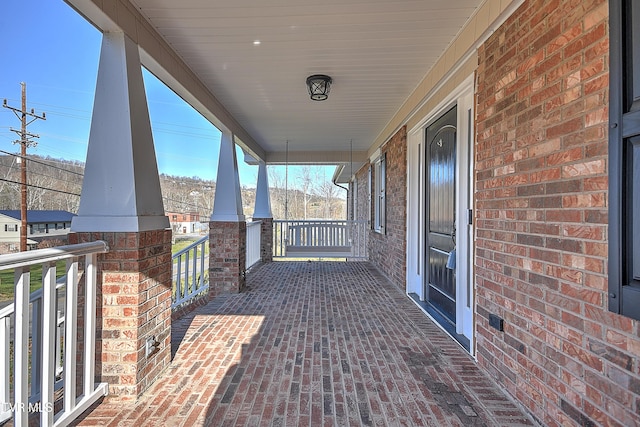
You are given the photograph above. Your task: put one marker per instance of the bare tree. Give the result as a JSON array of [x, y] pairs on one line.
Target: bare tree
[[56, 184], [277, 190], [36, 191], [207, 194], [306, 181]]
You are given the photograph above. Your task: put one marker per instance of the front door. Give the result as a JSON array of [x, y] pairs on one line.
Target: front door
[[440, 287]]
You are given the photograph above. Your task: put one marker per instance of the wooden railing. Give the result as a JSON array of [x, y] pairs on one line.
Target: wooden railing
[[320, 238], [39, 337]]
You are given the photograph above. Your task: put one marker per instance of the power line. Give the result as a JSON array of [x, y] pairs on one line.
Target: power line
[[183, 203], [32, 172], [179, 202], [31, 159], [11, 166], [39, 187], [59, 110], [8, 172]]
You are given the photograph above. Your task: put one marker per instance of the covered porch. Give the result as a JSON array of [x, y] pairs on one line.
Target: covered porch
[[489, 148], [309, 344]]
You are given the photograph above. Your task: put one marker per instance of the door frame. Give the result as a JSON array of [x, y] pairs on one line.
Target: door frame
[[416, 270]]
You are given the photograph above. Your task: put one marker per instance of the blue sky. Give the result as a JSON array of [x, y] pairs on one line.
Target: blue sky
[[55, 51], [61, 53]]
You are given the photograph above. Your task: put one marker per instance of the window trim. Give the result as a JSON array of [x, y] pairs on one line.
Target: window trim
[[380, 201], [370, 195]]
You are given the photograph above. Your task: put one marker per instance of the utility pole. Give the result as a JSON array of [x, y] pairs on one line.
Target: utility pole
[[26, 140]]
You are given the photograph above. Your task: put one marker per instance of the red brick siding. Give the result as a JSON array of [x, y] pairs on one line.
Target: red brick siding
[[227, 257], [363, 208], [363, 202], [388, 251], [541, 219], [266, 239], [134, 302]]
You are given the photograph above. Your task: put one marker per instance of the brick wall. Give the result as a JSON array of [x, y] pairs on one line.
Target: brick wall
[[541, 219], [363, 208], [266, 239], [227, 257], [388, 251], [134, 303]]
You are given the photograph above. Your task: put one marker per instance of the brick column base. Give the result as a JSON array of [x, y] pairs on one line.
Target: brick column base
[[266, 239], [227, 257], [134, 304]]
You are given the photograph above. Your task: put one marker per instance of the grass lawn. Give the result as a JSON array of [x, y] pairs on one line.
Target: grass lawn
[[6, 276], [181, 244], [6, 279]]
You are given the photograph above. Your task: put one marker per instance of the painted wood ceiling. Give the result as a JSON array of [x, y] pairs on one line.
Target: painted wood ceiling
[[255, 55]]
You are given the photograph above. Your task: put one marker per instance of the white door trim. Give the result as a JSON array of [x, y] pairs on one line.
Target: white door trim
[[415, 214], [463, 97], [464, 203]]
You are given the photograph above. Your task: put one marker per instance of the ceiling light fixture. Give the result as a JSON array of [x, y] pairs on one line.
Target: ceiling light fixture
[[319, 86]]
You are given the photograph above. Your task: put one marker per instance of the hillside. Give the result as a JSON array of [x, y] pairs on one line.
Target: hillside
[[56, 184]]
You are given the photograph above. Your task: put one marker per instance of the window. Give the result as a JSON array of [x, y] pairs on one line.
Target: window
[[624, 158], [380, 199], [39, 229]]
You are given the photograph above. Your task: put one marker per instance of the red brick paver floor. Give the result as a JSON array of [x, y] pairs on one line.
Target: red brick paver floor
[[315, 344]]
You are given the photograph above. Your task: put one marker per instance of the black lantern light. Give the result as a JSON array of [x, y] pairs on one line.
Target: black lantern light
[[319, 86]]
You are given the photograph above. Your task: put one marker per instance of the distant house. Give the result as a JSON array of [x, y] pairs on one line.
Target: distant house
[[184, 222], [46, 222], [10, 235]]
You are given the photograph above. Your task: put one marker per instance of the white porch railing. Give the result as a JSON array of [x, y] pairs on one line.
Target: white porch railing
[[253, 243], [39, 338], [320, 238], [190, 272], [191, 266]]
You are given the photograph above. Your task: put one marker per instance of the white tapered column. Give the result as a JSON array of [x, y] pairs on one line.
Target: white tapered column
[[121, 189], [263, 203], [227, 205], [262, 212]]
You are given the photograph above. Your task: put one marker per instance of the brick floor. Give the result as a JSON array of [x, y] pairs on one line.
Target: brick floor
[[314, 344]]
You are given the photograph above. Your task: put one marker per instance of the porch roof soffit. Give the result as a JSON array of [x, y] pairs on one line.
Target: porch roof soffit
[[161, 60]]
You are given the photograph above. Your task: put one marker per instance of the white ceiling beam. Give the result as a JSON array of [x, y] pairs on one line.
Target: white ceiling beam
[[315, 157]]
